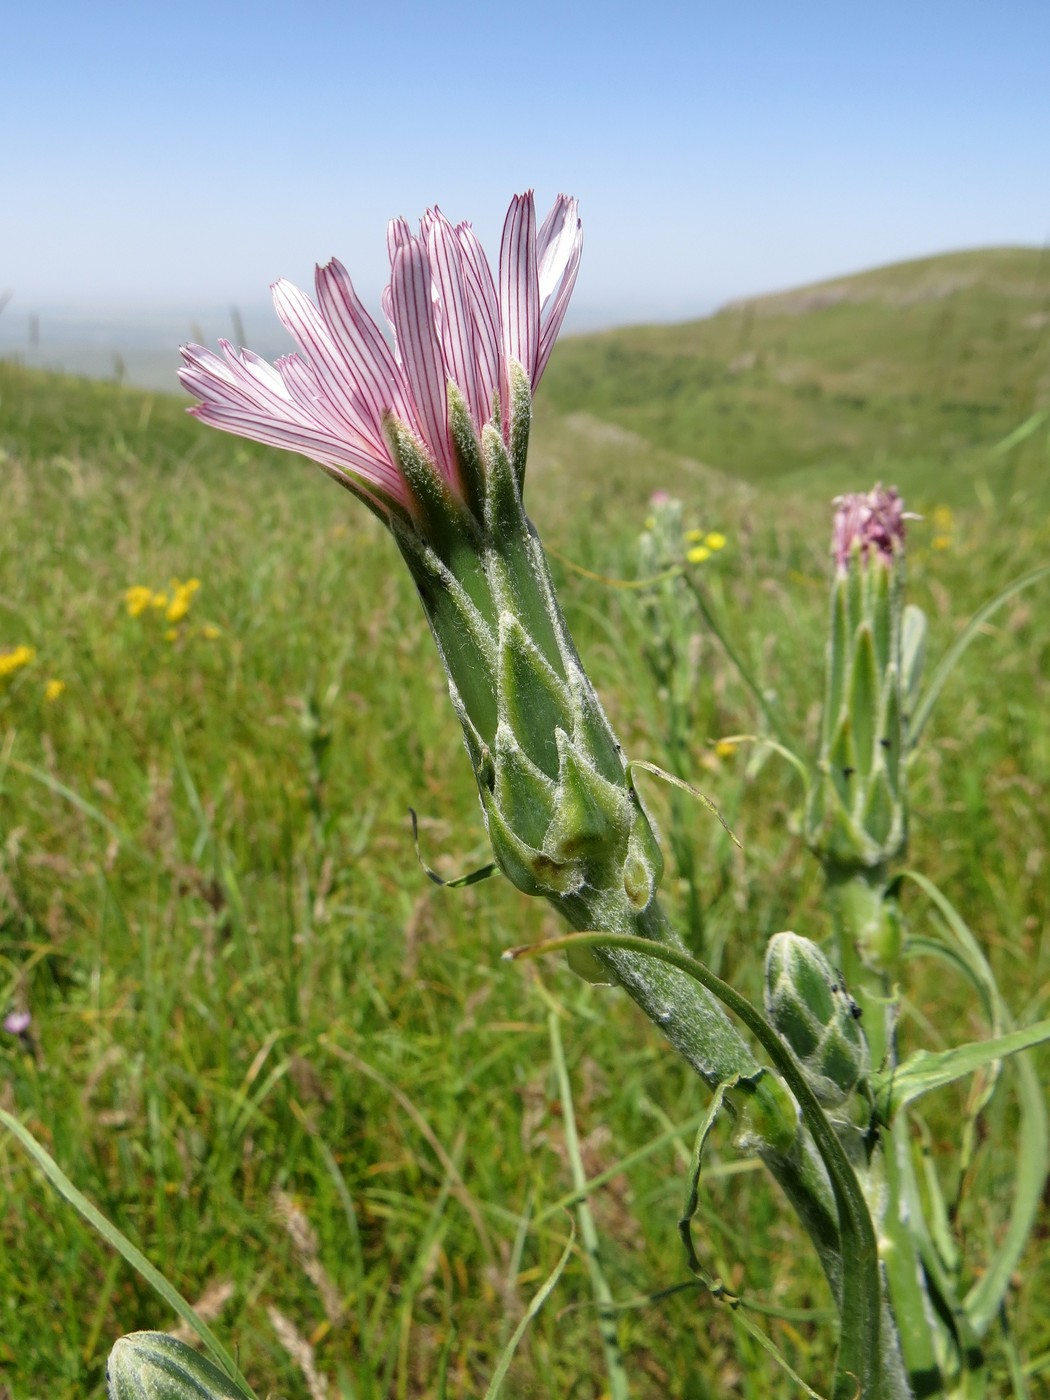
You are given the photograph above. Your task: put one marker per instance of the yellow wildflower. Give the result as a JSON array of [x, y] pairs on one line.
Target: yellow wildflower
[[725, 748], [714, 539], [53, 689], [941, 542], [159, 601], [138, 599], [943, 518], [172, 634], [210, 631], [650, 522], [14, 659], [182, 597], [698, 554], [693, 536]]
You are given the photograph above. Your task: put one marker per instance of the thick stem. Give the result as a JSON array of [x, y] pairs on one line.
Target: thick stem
[[856, 903]]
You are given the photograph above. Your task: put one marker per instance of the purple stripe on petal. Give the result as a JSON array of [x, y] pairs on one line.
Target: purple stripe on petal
[[417, 337], [519, 295], [308, 394]]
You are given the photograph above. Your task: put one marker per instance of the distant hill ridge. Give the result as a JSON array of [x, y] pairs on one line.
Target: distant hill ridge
[[1016, 271], [898, 370]]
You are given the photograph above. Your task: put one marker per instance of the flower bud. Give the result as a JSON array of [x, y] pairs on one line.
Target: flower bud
[[816, 1017], [153, 1366]]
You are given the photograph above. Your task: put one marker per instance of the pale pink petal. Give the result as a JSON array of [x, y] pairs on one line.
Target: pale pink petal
[[310, 441], [398, 234], [307, 392], [413, 310], [519, 293], [380, 383], [559, 257], [559, 234], [306, 325], [455, 321], [386, 301], [484, 310], [239, 399]]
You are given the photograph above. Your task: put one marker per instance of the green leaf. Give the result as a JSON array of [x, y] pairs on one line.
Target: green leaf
[[538, 1299], [123, 1246], [1020, 433], [913, 653], [927, 1070], [984, 1299]]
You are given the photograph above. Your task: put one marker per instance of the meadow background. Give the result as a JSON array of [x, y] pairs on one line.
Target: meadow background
[[297, 1073]]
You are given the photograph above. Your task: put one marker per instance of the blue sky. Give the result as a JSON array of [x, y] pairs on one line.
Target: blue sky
[[184, 155]]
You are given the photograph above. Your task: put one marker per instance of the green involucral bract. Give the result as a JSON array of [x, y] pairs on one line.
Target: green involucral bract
[[563, 819], [857, 816]]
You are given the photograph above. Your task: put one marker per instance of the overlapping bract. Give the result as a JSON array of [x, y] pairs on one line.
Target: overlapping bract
[[334, 398]]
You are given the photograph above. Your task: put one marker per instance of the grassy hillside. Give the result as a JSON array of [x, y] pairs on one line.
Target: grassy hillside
[[249, 1006], [912, 367]]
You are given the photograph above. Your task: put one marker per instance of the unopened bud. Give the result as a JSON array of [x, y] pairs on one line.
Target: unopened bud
[[153, 1366], [816, 1017], [858, 816]]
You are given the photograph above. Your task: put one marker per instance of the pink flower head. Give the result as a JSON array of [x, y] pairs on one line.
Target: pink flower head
[[17, 1022], [337, 397], [872, 521]]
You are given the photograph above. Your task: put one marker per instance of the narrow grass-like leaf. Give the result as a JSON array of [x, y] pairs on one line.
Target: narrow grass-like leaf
[[769, 710], [947, 664], [461, 881], [82, 805], [538, 1300], [684, 786], [619, 1388]]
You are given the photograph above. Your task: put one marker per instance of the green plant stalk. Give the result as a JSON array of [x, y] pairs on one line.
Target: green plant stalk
[[856, 905], [867, 1365], [769, 711], [564, 819]]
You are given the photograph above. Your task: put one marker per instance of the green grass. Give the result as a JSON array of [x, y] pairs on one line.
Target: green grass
[[912, 367], [240, 979]]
